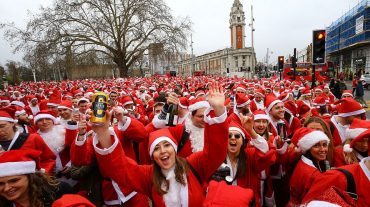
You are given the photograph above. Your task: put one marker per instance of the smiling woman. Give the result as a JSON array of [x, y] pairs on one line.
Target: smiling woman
[[22, 182]]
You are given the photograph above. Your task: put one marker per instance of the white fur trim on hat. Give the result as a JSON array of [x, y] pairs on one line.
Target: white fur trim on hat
[[198, 105], [18, 113], [244, 104], [348, 94], [353, 133], [238, 130], [52, 104], [347, 148], [17, 168], [286, 97], [18, 103], [64, 107], [44, 116], [182, 106], [352, 113], [241, 88], [128, 102], [272, 105], [310, 139], [321, 204], [261, 116], [158, 140], [8, 119], [83, 99]]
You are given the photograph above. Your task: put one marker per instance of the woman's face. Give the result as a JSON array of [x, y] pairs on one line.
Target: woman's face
[[319, 150], [315, 126], [362, 145], [235, 142], [260, 126], [14, 188], [164, 155]]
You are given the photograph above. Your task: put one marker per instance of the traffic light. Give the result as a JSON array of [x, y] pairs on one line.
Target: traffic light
[[294, 62], [318, 46], [281, 62]]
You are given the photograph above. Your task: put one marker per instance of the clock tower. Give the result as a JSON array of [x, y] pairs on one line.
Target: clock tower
[[237, 25]]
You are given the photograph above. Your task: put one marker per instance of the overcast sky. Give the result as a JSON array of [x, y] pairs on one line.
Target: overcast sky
[[280, 25]]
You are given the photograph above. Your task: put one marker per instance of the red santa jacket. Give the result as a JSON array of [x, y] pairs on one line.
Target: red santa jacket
[[253, 106], [256, 161], [335, 178], [338, 136], [302, 178], [82, 153], [140, 177], [47, 157]]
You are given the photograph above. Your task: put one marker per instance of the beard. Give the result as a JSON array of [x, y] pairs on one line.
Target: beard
[[55, 139], [196, 135]]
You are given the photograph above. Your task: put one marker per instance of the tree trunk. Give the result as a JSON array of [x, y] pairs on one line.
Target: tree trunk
[[123, 70]]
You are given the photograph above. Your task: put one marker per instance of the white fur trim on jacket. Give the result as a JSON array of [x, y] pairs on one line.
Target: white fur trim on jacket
[[309, 140], [108, 150], [124, 126], [17, 168], [215, 120]]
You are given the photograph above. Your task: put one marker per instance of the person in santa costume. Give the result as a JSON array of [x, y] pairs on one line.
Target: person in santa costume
[[360, 172], [171, 180], [24, 121], [23, 182], [276, 111], [65, 112], [347, 155], [348, 109], [241, 106], [59, 139], [12, 139], [32, 108], [258, 102], [72, 200], [247, 162], [304, 103], [314, 146], [127, 130]]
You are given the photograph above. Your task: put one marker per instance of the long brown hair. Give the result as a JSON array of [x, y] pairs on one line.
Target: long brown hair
[[41, 190], [314, 119], [181, 168]]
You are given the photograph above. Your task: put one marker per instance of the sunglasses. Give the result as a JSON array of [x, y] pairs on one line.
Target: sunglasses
[[237, 136]]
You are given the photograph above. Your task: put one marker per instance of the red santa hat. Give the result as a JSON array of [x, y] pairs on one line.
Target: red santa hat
[[242, 100], [18, 103], [221, 194], [348, 107], [19, 111], [65, 105], [363, 135], [183, 102], [198, 103], [260, 92], [236, 127], [4, 99], [158, 136], [45, 114], [199, 93], [242, 87], [260, 114], [72, 200], [319, 101], [126, 100], [284, 96], [304, 138], [356, 128], [291, 108], [19, 162], [270, 102], [83, 99], [347, 93], [306, 92], [8, 114]]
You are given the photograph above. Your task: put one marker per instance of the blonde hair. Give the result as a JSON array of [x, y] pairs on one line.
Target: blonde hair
[[350, 157]]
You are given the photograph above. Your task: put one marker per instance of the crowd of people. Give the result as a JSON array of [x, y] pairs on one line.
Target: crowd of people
[[235, 142]]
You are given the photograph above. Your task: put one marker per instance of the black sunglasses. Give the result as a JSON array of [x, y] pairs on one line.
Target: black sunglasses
[[237, 136]]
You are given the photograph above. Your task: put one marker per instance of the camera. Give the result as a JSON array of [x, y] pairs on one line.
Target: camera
[[223, 173]]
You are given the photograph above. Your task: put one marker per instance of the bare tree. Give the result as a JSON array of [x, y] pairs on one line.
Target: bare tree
[[120, 29]]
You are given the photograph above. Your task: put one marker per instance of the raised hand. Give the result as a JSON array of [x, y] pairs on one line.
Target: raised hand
[[120, 113], [247, 124], [216, 98]]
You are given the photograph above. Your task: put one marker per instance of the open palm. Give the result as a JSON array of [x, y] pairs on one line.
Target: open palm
[[216, 97]]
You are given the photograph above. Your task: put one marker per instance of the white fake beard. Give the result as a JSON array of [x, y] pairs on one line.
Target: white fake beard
[[196, 135], [55, 139]]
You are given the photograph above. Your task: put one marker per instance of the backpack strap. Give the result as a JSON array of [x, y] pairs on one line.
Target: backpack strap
[[351, 185], [21, 139], [194, 172], [184, 138]]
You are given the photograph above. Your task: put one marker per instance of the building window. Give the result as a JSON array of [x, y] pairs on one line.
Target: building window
[[243, 63], [243, 57], [238, 19]]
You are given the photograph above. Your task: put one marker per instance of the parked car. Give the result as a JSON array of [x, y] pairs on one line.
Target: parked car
[[366, 79]]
